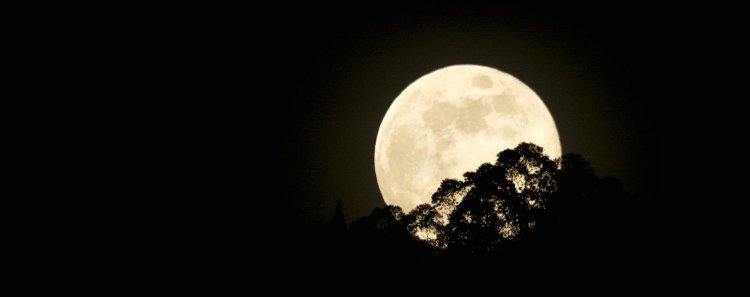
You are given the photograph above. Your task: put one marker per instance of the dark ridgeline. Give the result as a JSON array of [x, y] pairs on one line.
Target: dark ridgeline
[[521, 216]]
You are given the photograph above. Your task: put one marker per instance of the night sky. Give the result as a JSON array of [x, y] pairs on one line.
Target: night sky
[[339, 73], [240, 127]]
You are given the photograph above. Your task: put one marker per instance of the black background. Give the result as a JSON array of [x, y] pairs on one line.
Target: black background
[[337, 74], [242, 125], [272, 115]]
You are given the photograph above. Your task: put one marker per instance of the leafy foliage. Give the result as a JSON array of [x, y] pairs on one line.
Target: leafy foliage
[[522, 209], [492, 205]]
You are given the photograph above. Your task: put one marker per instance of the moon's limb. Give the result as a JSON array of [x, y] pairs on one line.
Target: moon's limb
[[451, 121]]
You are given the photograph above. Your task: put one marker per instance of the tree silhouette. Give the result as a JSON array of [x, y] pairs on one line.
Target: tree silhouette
[[425, 222], [523, 211], [383, 237], [382, 222], [576, 178], [338, 221], [497, 202]]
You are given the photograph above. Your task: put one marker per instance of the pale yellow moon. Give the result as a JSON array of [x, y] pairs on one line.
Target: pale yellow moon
[[450, 121]]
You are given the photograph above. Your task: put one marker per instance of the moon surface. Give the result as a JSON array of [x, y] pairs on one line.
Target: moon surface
[[449, 122]]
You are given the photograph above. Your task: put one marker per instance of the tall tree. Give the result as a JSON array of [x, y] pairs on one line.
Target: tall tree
[[493, 204]]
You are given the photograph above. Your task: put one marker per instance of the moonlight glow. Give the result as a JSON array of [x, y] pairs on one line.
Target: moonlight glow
[[451, 121]]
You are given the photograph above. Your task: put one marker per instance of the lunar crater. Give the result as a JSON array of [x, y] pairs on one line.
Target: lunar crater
[[482, 82]]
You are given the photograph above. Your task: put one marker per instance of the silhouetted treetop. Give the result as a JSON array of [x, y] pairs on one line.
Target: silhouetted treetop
[[424, 221], [521, 211], [381, 220], [338, 221], [496, 204], [576, 176], [497, 201], [523, 207]]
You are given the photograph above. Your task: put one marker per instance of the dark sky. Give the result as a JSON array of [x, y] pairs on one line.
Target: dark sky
[[235, 127], [249, 122], [339, 73]]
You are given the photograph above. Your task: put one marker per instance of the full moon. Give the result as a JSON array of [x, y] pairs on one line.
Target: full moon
[[449, 122]]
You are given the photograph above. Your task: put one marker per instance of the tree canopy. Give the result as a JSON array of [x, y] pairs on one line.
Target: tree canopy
[[523, 207], [492, 205]]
